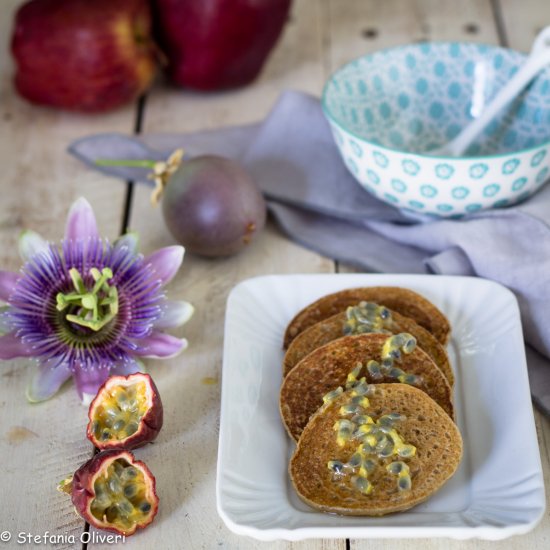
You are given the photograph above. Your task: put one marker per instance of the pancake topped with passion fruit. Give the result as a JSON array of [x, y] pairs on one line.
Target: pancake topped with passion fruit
[[375, 449], [375, 357], [402, 300], [363, 318]]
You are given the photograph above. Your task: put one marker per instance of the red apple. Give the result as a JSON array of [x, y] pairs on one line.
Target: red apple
[[85, 55], [217, 44]]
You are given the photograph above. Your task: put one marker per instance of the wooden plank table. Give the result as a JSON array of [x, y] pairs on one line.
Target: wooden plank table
[[42, 443]]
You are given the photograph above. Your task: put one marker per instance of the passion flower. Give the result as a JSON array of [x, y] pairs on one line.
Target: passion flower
[[88, 308], [126, 413], [114, 491]]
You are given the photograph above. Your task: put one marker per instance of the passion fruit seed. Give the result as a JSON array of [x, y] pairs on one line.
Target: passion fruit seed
[[121, 396], [335, 466], [119, 425], [373, 367], [396, 467], [128, 473], [404, 483], [130, 491], [369, 465], [401, 470], [394, 372], [131, 428], [350, 408], [394, 345], [362, 388], [344, 429], [352, 376], [362, 419], [332, 395], [118, 468], [355, 460], [366, 317], [389, 420], [411, 379], [362, 484], [406, 451], [360, 400]]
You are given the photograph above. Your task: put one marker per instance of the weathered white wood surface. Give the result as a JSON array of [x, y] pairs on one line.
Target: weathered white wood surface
[[40, 444], [43, 443]]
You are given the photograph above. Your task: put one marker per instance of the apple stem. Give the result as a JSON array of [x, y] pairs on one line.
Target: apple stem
[[130, 163]]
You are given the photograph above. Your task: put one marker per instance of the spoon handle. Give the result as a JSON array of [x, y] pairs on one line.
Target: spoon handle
[[511, 90], [538, 58]]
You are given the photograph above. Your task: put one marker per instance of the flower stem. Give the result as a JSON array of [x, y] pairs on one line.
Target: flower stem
[[130, 163]]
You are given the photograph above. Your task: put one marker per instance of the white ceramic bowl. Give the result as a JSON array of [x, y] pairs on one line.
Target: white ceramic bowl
[[388, 109]]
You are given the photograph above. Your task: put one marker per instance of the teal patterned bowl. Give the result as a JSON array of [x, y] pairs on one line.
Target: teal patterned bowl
[[388, 109]]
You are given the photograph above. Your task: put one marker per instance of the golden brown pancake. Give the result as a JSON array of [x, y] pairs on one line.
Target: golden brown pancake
[[331, 329], [343, 487], [401, 300], [328, 367]]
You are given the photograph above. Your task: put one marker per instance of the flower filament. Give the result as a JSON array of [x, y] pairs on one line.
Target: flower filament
[[90, 308]]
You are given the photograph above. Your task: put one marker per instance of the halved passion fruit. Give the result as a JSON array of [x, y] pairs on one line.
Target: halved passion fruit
[[114, 491], [126, 413]]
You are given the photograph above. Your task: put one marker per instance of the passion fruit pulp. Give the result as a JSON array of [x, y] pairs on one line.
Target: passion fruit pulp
[[115, 492], [126, 413]]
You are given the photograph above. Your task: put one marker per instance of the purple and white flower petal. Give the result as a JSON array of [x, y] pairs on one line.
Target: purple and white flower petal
[[160, 345], [31, 244], [7, 284], [129, 240], [89, 380], [128, 367], [81, 223], [47, 381], [166, 262], [174, 314], [11, 347], [5, 325]]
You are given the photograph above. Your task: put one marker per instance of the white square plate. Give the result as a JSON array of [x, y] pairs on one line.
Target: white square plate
[[498, 489]]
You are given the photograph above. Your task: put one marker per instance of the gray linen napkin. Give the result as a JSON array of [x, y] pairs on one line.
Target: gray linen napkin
[[317, 203]]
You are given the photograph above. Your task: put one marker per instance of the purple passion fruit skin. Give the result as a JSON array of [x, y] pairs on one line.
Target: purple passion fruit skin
[[126, 413], [115, 492], [212, 206]]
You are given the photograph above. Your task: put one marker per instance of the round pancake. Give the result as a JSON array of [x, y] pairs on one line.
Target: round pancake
[[328, 367], [425, 425], [331, 329], [402, 300]]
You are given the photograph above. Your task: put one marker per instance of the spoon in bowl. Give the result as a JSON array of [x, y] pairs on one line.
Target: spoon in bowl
[[538, 59]]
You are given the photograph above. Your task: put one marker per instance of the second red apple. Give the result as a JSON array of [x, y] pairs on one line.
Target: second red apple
[[217, 44]]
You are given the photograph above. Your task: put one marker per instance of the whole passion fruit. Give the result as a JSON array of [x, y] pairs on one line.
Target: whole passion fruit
[[126, 413], [114, 491], [212, 206]]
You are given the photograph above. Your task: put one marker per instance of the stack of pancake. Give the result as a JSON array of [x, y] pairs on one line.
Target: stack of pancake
[[368, 397]]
